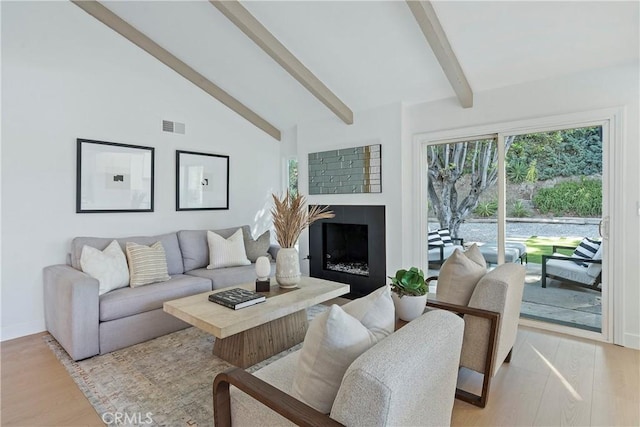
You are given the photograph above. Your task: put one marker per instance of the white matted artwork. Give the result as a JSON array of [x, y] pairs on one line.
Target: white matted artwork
[[202, 181], [112, 177]]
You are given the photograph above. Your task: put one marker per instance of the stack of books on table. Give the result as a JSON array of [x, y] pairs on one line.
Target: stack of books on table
[[237, 298]]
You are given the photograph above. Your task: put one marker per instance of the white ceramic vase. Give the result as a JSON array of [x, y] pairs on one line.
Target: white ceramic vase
[[288, 268], [409, 307]]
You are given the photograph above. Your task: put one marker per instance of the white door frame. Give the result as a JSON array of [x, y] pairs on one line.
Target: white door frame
[[612, 138]]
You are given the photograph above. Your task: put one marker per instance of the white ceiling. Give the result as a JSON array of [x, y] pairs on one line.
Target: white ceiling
[[373, 53]]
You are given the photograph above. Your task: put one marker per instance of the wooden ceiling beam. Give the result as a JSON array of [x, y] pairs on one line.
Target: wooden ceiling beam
[[257, 32], [436, 37], [122, 27]]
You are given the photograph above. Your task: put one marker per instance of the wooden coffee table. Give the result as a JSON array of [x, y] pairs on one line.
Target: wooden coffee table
[[252, 334]]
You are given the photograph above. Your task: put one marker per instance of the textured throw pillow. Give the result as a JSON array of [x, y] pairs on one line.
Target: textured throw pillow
[[108, 266], [586, 250], [333, 341], [375, 311], [258, 247], [226, 252], [459, 275], [147, 264]]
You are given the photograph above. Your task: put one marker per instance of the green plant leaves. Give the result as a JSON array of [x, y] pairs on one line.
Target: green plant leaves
[[409, 282]]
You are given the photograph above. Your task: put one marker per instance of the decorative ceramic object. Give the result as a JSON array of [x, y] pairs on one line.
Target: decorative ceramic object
[[409, 307], [288, 268], [263, 268]]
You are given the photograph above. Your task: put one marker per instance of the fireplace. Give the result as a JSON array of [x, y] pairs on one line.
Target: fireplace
[[350, 248]]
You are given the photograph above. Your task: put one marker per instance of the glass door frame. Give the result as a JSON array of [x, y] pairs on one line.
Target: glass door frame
[[611, 122]]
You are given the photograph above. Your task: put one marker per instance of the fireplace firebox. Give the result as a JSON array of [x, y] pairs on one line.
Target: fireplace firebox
[[350, 248], [345, 248]]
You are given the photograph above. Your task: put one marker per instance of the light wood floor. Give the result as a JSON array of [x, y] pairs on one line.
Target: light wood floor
[[552, 380]]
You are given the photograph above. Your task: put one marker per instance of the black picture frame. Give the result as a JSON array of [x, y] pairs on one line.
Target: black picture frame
[[113, 177], [202, 181]]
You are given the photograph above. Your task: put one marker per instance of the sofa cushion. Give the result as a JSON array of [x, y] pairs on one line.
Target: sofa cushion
[[108, 266], [229, 276], [227, 252], [333, 341], [256, 248], [194, 246], [147, 264], [459, 275], [169, 243], [129, 301]]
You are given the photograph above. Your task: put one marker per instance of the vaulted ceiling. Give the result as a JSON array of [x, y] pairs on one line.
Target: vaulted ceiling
[[373, 53]]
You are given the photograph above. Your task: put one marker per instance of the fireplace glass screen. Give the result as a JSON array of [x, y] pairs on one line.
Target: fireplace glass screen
[[346, 248]]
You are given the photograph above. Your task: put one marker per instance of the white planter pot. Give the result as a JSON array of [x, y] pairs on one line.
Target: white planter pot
[[409, 307], [288, 268]]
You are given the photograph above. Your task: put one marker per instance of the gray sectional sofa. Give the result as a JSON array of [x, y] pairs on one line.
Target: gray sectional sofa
[[86, 323]]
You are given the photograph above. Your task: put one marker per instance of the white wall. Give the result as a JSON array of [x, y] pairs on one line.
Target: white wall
[[378, 126], [67, 76], [598, 89]]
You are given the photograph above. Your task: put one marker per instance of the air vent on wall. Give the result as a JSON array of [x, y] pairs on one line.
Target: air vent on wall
[[173, 127]]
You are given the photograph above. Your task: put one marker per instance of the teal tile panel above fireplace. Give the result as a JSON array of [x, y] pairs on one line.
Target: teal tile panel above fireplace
[[348, 170]]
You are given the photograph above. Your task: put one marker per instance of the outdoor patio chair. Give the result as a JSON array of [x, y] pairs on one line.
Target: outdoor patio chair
[[573, 269], [441, 245]]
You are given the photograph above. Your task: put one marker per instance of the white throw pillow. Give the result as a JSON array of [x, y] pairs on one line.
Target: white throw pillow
[[459, 275], [375, 311], [333, 341], [147, 264], [108, 266], [226, 252]]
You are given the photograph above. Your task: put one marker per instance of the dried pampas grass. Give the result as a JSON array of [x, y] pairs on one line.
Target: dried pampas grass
[[290, 217]]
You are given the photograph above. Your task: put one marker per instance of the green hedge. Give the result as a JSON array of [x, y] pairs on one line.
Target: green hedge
[[583, 198]]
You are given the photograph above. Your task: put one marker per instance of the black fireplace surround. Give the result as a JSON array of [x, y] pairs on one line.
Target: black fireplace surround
[[350, 248]]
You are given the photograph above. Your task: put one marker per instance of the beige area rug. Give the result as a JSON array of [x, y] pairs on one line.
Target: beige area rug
[[166, 381]]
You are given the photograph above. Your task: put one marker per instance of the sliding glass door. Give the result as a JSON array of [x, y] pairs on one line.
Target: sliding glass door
[[535, 197]]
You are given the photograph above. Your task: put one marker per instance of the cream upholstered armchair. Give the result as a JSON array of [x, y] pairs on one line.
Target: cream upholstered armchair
[[407, 377], [490, 304]]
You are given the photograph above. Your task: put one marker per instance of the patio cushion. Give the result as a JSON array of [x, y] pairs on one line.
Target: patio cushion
[[512, 251], [568, 270]]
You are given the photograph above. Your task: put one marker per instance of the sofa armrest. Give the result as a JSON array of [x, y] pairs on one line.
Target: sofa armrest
[[275, 399], [71, 309]]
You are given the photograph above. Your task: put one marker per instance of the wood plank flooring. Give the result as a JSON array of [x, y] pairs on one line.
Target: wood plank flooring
[[552, 380]]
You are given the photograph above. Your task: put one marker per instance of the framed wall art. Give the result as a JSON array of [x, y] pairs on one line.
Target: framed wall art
[[113, 177], [202, 181]]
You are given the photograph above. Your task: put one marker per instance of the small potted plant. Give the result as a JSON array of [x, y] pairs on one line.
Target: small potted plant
[[409, 292]]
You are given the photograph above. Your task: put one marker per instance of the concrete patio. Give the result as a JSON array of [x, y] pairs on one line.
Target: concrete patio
[[559, 302]]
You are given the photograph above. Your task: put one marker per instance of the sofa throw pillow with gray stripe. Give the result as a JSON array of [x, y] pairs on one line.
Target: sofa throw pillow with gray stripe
[[147, 264], [226, 252], [586, 250]]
